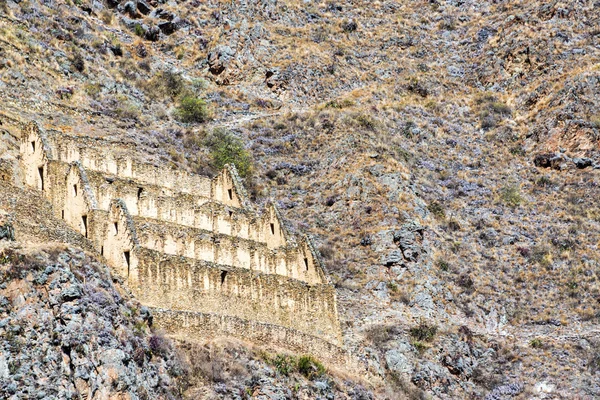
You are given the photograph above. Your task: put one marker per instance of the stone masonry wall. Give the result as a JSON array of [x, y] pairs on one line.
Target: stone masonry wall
[[209, 325], [179, 283], [187, 243]]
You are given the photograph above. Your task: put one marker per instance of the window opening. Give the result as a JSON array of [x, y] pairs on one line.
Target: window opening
[[223, 276], [272, 228], [85, 229], [75, 190], [41, 172], [33, 146], [139, 194], [230, 193], [126, 254], [116, 224], [306, 263]]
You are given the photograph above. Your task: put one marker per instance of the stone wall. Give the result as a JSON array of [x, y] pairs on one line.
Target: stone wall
[[179, 283], [206, 325], [187, 243], [92, 154]]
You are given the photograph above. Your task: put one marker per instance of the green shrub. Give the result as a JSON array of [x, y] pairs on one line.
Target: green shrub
[[139, 30], [437, 209], [172, 83], [443, 265], [191, 110], [285, 364], [310, 367], [126, 110], [536, 343], [420, 346], [343, 103], [365, 121], [511, 195], [225, 148], [424, 332]]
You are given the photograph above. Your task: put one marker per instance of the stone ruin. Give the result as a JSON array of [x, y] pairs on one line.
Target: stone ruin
[[191, 248]]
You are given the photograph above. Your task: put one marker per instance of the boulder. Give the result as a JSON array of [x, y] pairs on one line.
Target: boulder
[[167, 27], [144, 7], [152, 34], [582, 163]]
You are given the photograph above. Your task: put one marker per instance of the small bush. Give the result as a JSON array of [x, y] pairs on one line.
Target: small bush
[[310, 367], [541, 254], [78, 63], [424, 332], [285, 364], [380, 334], [126, 110], [343, 103], [159, 345], [225, 148], [443, 265], [466, 282], [511, 195], [420, 346], [366, 122], [437, 209], [500, 108], [191, 110], [92, 89], [491, 110], [543, 181], [139, 30], [172, 83], [536, 343]]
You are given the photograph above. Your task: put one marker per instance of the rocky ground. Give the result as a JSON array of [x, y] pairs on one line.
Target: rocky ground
[[69, 332], [444, 155]]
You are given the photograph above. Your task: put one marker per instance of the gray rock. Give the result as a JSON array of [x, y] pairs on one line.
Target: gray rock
[[144, 7], [167, 27], [396, 361], [7, 232], [428, 373], [219, 58], [393, 258], [408, 239], [505, 391], [71, 293], [582, 163]]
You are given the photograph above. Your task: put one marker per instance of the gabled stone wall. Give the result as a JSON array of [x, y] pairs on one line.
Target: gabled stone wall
[[184, 242]]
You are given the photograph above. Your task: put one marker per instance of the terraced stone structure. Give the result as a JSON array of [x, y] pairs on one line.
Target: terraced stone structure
[[192, 248]]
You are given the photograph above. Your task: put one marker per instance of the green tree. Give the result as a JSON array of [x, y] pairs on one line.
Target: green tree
[[191, 109], [225, 148]]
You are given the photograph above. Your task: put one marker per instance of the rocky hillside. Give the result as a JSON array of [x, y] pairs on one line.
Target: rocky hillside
[[68, 331], [443, 153]]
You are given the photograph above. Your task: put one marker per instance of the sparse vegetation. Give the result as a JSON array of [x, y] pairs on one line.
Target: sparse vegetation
[[511, 195], [286, 364], [191, 110], [436, 208], [225, 148], [358, 123], [536, 343], [424, 332]]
